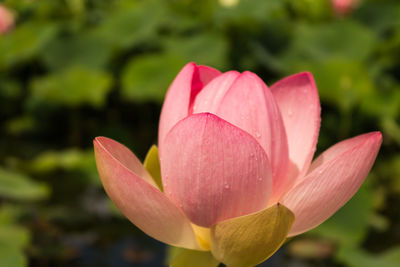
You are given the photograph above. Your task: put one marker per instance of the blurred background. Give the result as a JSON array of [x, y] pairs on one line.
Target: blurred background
[[71, 70]]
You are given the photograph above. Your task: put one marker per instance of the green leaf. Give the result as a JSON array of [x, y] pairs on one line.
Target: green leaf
[[391, 128], [13, 239], [19, 125], [147, 77], [72, 87], [17, 186], [245, 12], [10, 88], [70, 160], [13, 236], [194, 258], [341, 39], [383, 102], [152, 165], [206, 48], [131, 23], [12, 257], [24, 43], [81, 49], [359, 257], [313, 9], [249, 240], [379, 15]]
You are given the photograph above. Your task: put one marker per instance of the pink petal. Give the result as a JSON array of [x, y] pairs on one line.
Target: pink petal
[[127, 184], [183, 90], [298, 101], [246, 102], [7, 19], [214, 170], [337, 175], [210, 98]]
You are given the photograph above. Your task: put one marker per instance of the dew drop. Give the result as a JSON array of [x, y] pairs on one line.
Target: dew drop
[[290, 113], [226, 186], [258, 135]]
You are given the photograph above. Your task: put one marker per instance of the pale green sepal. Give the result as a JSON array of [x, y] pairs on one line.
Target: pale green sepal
[[249, 240], [152, 165], [194, 258]]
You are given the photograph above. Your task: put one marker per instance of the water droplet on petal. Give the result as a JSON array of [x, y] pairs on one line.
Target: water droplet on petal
[[226, 186], [258, 135]]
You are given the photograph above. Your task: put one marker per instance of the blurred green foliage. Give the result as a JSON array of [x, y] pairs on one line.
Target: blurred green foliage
[[71, 70]]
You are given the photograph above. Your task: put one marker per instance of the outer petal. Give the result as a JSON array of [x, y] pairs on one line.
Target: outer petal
[[214, 170], [246, 102], [251, 239], [183, 90], [145, 206], [298, 101], [337, 175]]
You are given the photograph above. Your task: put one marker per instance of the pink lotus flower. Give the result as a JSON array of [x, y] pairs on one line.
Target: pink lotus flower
[[343, 7], [6, 19], [229, 147]]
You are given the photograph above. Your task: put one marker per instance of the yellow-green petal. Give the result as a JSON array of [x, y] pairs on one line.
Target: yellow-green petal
[[249, 240], [203, 236], [152, 165], [194, 258]]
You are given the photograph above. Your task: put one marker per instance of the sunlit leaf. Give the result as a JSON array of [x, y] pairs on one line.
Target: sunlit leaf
[[17, 186], [12, 257], [13, 239], [359, 257], [72, 87], [70, 160]]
